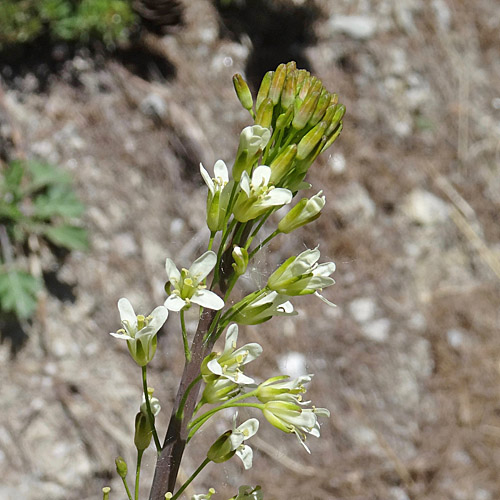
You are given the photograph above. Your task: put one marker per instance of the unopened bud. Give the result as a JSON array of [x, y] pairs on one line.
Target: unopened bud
[[277, 84], [240, 257], [264, 116], [321, 107], [305, 211], [289, 90], [282, 164], [305, 111], [332, 138], [264, 88], [284, 119], [337, 117], [242, 91], [121, 467], [310, 140]]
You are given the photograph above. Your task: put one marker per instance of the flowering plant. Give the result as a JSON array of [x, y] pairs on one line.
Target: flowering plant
[[295, 119]]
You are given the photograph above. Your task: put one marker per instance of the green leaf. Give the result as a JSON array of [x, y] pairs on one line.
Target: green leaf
[[59, 200], [44, 174], [18, 291], [13, 177], [67, 236]]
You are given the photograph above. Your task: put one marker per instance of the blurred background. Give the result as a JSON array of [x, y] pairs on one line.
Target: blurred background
[[124, 99]]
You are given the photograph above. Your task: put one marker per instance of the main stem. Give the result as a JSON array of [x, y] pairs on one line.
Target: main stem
[[169, 460]]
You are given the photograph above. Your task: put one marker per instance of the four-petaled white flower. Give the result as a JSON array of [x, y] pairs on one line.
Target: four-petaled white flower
[[219, 190], [290, 417], [262, 309], [257, 196], [232, 443], [228, 363], [188, 287], [302, 275], [253, 140], [140, 331], [283, 388]]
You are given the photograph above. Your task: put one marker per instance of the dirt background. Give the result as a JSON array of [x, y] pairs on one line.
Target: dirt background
[[409, 361]]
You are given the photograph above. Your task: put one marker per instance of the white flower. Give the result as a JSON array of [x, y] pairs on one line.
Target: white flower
[[187, 284], [228, 363], [282, 388], [258, 310], [154, 403], [290, 417], [253, 140], [218, 195], [256, 196], [302, 275], [140, 331], [232, 443]]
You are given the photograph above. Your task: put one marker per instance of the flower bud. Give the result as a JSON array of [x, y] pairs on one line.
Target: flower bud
[[121, 467], [289, 90], [253, 140], [304, 112], [305, 211], [264, 88], [243, 92], [240, 257], [339, 114], [277, 84], [264, 116], [143, 432], [321, 107], [310, 140], [332, 138], [283, 163]]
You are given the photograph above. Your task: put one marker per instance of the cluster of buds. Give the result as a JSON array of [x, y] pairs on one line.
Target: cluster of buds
[[303, 117]]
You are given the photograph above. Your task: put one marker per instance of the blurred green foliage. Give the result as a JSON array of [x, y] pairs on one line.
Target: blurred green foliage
[[35, 198], [22, 21]]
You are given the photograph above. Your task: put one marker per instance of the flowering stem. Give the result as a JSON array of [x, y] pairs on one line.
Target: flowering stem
[[180, 411], [138, 473], [151, 417], [129, 495], [263, 243], [211, 241], [187, 352], [193, 475]]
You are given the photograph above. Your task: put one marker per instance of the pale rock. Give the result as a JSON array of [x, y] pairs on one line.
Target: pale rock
[[456, 338], [337, 163], [396, 493], [154, 106], [425, 208], [125, 244], [442, 13], [362, 309], [354, 203], [377, 330], [357, 27]]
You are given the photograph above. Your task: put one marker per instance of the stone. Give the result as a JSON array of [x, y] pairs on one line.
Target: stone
[[425, 208], [377, 330], [354, 203], [357, 27], [362, 309], [154, 106], [292, 364]]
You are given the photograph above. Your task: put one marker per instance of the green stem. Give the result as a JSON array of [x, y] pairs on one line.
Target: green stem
[[187, 352], [138, 473], [263, 243], [211, 241], [189, 481], [180, 411], [129, 495], [151, 417], [225, 233]]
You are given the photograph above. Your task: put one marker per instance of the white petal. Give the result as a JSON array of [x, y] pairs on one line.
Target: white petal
[[159, 316], [231, 338], [172, 272], [208, 180], [325, 269], [245, 453], [214, 367], [278, 196], [202, 266], [239, 378], [253, 350], [208, 299], [267, 299], [220, 171], [249, 428], [127, 312], [285, 307], [245, 183], [302, 442], [261, 176], [121, 336], [174, 303]]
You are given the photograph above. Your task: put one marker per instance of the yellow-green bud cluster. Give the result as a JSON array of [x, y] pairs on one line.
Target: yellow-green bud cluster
[[304, 117]]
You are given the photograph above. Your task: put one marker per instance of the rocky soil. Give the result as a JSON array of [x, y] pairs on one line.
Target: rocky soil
[[409, 361]]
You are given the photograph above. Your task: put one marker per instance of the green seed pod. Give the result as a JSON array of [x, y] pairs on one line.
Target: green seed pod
[[143, 432]]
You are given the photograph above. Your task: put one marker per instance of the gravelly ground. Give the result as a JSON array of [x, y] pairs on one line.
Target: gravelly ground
[[409, 361]]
